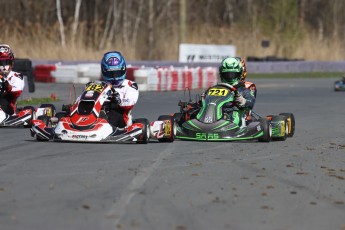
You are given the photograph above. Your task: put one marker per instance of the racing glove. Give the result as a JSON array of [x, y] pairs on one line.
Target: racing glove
[[5, 85], [116, 98], [241, 101]]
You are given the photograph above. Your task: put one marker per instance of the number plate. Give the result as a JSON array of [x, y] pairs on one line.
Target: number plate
[[218, 92]]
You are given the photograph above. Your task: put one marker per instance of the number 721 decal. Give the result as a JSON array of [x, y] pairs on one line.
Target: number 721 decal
[[218, 92]]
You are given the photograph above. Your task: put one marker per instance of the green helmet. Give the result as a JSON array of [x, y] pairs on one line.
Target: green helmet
[[231, 70]]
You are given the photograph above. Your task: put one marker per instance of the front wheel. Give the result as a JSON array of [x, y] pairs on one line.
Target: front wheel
[[267, 129], [145, 137], [170, 128]]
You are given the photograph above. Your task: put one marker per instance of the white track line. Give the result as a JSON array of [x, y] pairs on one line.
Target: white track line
[[118, 210]]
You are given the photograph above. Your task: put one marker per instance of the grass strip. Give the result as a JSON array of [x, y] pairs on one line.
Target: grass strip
[[297, 75]]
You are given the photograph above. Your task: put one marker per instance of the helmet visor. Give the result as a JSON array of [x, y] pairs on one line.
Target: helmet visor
[[4, 62], [230, 76], [113, 74]]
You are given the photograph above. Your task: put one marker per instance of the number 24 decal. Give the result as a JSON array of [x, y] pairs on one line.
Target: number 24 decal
[[95, 87]]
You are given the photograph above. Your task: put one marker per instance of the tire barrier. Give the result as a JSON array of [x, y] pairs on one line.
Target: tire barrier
[[24, 66], [43, 73], [77, 74], [148, 79], [173, 79], [270, 59]]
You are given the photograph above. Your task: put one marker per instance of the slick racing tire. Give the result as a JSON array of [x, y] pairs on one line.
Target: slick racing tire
[[145, 138], [179, 119], [172, 128], [281, 118], [60, 115], [291, 123], [24, 66], [267, 128]]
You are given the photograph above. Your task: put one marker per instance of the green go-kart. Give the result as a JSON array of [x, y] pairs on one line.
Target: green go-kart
[[203, 120]]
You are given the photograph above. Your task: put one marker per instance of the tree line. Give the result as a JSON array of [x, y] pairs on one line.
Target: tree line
[[152, 29]]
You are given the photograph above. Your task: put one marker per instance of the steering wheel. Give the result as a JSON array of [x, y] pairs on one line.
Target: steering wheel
[[228, 86]]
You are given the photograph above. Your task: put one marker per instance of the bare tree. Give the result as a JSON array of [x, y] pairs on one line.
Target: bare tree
[[150, 30], [76, 20], [62, 27], [117, 12], [137, 22], [106, 29]]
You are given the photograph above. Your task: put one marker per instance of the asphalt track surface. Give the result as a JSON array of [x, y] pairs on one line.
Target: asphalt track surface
[[296, 184]]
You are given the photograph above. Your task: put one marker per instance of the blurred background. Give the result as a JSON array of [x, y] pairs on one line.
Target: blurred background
[[153, 29]]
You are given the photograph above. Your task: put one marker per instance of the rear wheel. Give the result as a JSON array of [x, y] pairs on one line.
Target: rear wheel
[[172, 128], [291, 123], [179, 118], [146, 130], [285, 126], [267, 129]]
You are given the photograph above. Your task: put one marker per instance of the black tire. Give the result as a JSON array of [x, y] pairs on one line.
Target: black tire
[[60, 115], [146, 130], [278, 119], [266, 127], [179, 118], [291, 122], [172, 128], [24, 66], [66, 108]]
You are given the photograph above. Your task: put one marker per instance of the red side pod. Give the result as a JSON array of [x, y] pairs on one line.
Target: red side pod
[[38, 123], [135, 126], [24, 112]]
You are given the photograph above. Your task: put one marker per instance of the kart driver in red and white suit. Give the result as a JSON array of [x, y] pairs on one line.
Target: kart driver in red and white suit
[[126, 95], [11, 83]]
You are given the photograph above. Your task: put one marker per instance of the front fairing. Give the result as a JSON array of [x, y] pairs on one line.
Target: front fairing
[[222, 130], [87, 108]]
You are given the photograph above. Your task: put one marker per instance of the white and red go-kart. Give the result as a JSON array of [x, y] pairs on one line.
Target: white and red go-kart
[[86, 121], [23, 115]]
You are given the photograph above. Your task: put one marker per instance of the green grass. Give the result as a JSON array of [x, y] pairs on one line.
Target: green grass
[[297, 75], [37, 101]]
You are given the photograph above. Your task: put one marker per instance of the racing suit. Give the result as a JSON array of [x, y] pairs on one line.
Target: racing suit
[[11, 91], [119, 114], [237, 114]]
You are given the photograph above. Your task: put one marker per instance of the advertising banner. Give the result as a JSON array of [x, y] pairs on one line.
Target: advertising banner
[[205, 53]]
